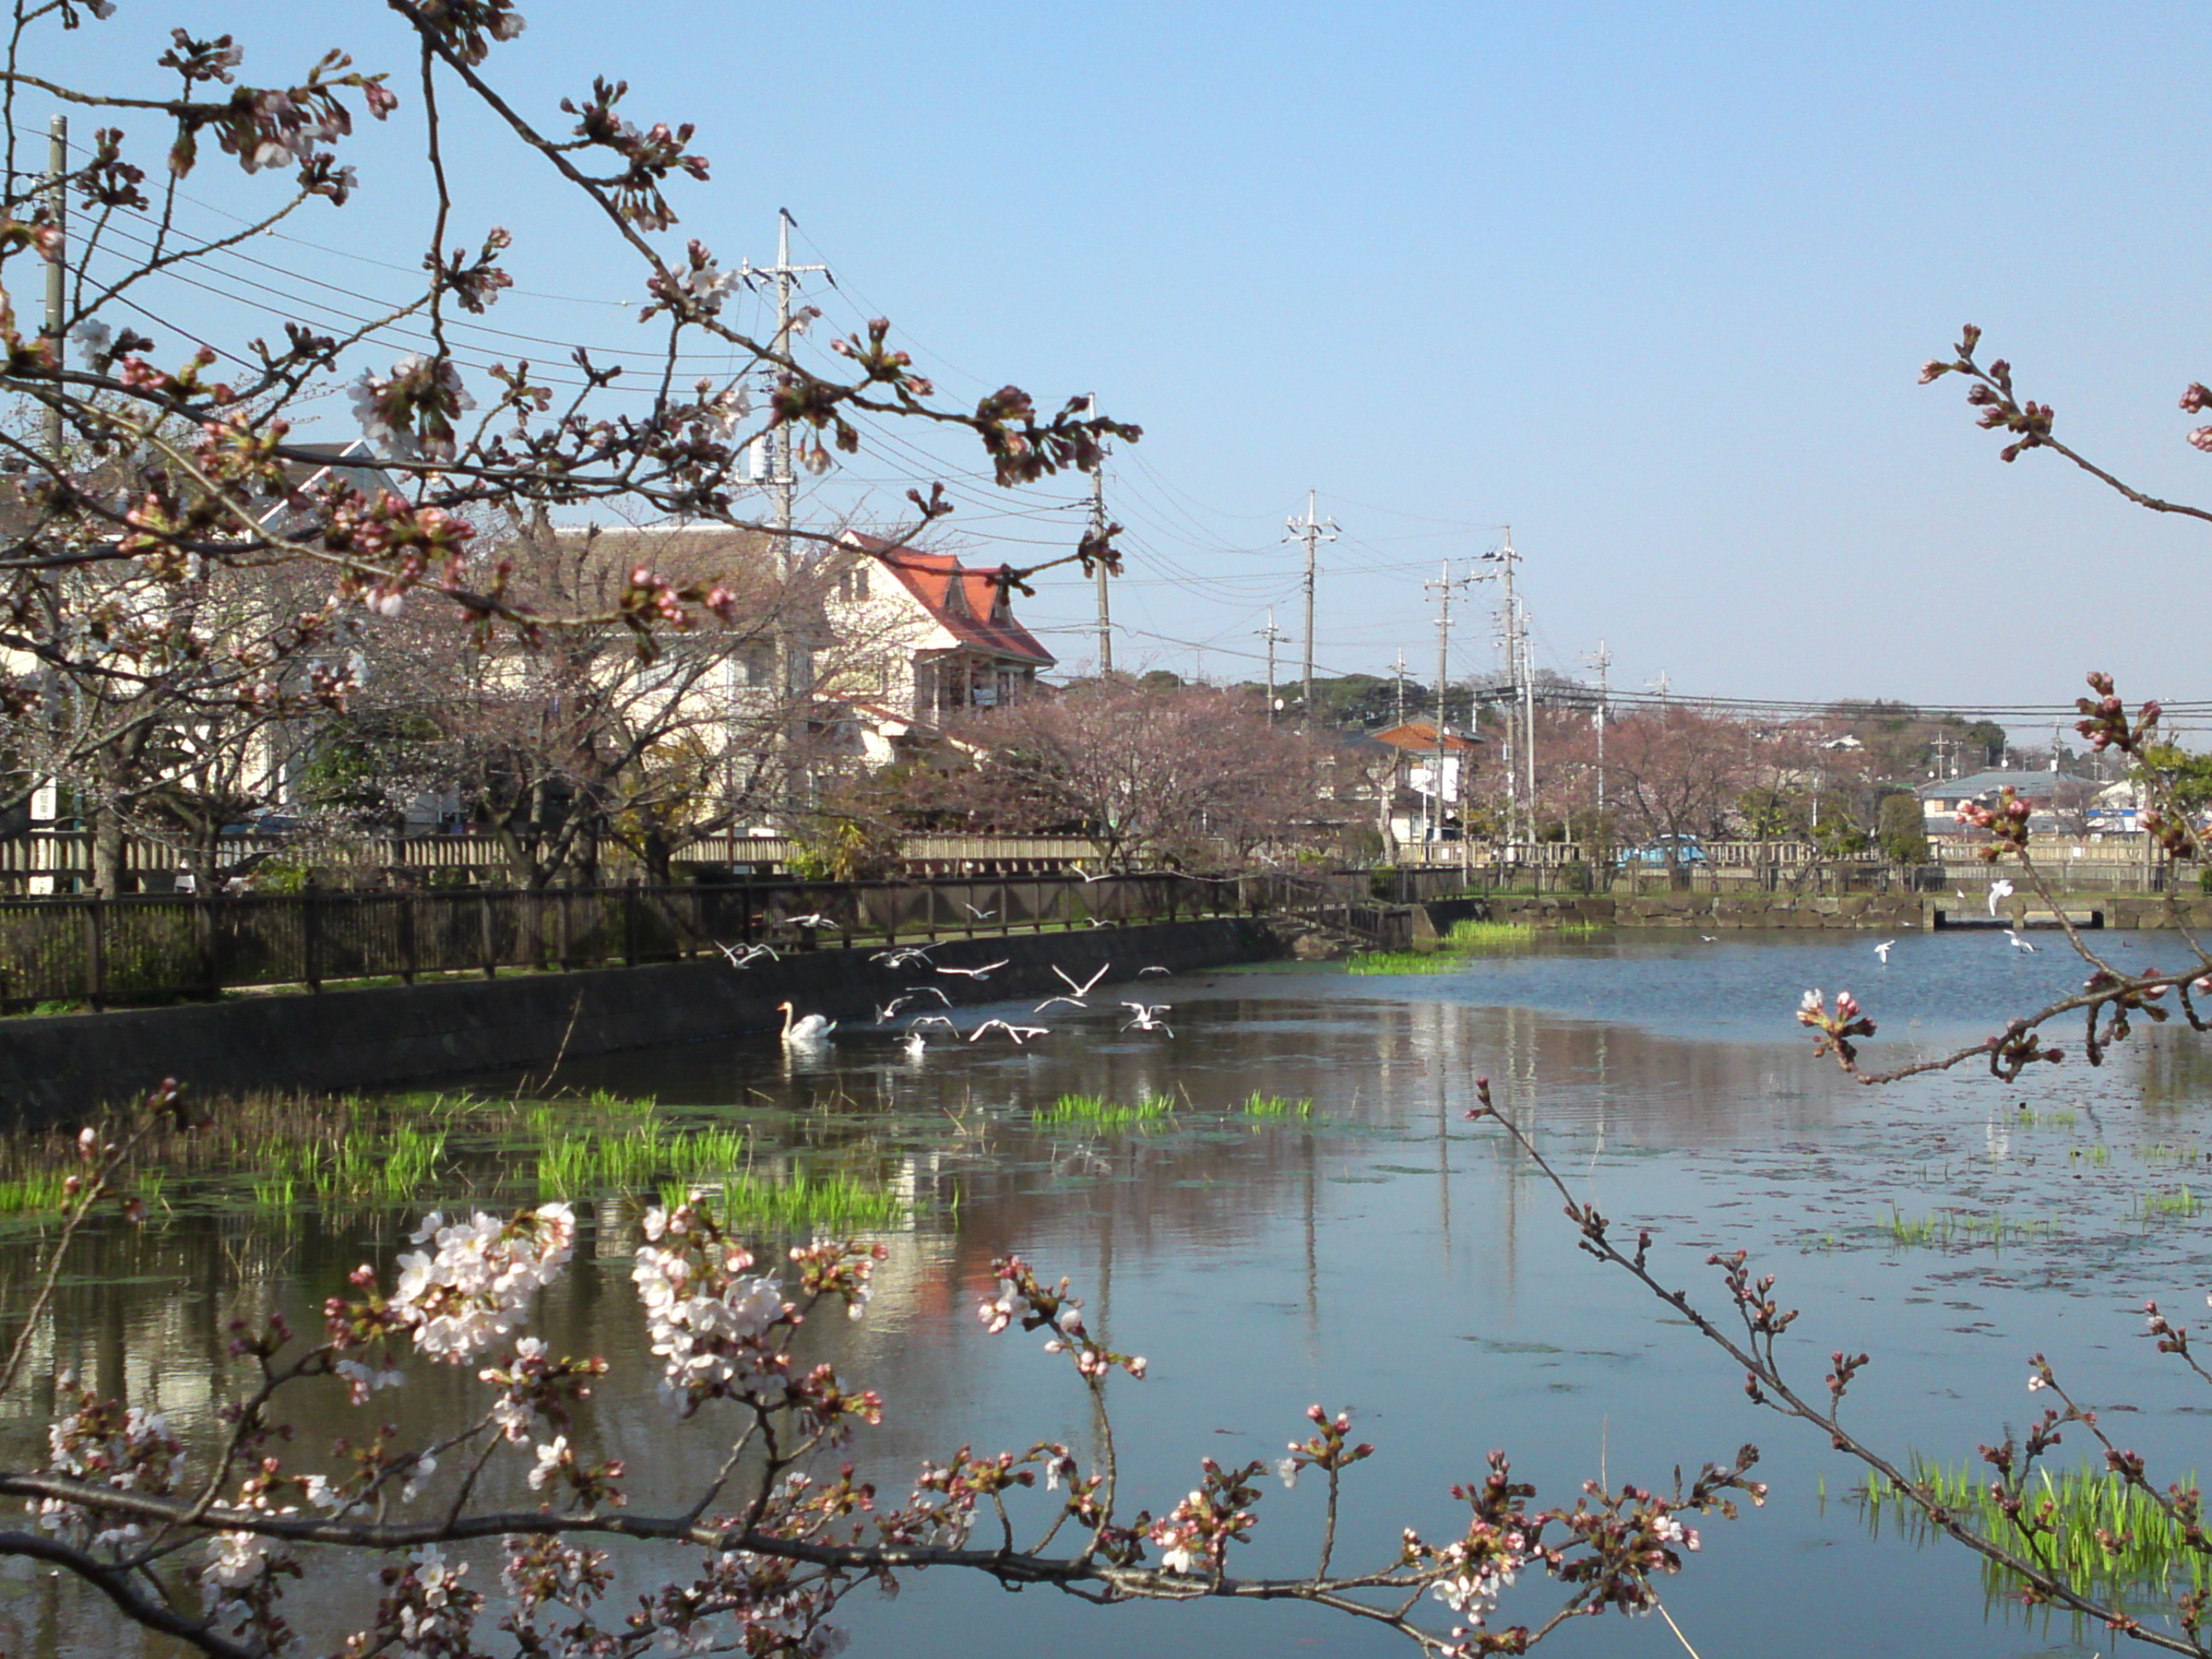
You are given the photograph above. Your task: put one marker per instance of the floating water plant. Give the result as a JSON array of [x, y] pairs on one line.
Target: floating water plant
[[2181, 1202], [1267, 1105], [574, 1165], [1962, 1228], [2083, 1508], [799, 1203], [1097, 1112], [1466, 938]]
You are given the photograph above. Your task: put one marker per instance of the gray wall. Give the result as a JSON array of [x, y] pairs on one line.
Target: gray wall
[[55, 1068]]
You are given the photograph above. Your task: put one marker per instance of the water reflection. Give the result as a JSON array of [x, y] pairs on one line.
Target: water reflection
[[1382, 1251]]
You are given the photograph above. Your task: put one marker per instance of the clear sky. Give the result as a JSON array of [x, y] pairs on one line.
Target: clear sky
[[1651, 284]]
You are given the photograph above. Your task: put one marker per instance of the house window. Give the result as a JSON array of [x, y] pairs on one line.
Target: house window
[[853, 583], [758, 663]]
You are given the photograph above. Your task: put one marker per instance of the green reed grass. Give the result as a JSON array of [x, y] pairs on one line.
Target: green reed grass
[[33, 1192], [799, 1203], [2181, 1202], [2148, 1548], [571, 1164], [2159, 1152], [1097, 1112], [2028, 1118], [1466, 938], [1266, 1105], [1962, 1229]]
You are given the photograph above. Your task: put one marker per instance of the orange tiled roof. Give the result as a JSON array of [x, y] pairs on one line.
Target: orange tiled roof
[[969, 604], [1420, 736]]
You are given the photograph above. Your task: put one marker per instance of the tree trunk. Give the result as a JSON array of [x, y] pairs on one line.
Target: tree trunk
[[108, 879]]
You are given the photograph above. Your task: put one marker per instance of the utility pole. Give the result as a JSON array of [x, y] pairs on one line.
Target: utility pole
[[1105, 613], [1505, 558], [57, 273], [783, 486], [1442, 587], [782, 481], [1312, 532], [1271, 634], [1600, 659], [1398, 673]]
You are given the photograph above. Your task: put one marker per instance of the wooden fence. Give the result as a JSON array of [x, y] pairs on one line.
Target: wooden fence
[[48, 860], [98, 951]]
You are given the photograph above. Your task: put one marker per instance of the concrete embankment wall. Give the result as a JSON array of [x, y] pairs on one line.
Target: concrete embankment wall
[[53, 1069]]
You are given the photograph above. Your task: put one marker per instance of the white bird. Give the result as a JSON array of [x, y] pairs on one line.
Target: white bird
[[889, 1010], [984, 972], [1883, 950], [818, 920], [901, 955], [807, 1033], [1709, 938], [746, 958], [980, 916], [915, 1048], [1083, 989], [1020, 1034], [914, 1026], [1154, 968], [1148, 1017], [1999, 892], [2018, 943], [929, 991], [1054, 1002]]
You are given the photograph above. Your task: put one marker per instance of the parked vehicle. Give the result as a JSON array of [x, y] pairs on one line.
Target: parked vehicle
[[1687, 850]]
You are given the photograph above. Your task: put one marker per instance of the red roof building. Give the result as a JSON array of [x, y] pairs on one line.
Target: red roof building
[[937, 636]]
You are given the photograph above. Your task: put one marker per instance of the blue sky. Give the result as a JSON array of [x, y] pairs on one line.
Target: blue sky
[[1651, 284]]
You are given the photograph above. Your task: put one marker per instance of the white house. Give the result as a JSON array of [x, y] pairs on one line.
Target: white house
[[921, 637]]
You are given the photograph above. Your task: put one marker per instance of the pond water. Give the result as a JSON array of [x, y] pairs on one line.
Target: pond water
[[1387, 1254]]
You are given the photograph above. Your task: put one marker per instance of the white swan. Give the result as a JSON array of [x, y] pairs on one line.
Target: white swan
[[807, 1033]]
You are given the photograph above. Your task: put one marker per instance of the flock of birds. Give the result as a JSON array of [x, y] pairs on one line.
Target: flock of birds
[[811, 1031]]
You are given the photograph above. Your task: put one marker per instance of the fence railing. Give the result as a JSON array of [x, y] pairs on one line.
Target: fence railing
[[98, 949], [64, 857]]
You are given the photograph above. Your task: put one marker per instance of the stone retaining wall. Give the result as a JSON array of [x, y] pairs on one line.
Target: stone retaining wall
[[1719, 912], [58, 1067], [1889, 912]]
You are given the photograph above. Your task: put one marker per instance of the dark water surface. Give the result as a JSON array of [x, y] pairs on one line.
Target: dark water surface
[[1389, 1255]]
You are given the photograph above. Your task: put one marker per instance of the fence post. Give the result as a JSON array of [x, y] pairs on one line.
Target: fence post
[[629, 922], [1006, 912], [409, 953], [96, 954], [485, 934], [563, 937], [310, 937]]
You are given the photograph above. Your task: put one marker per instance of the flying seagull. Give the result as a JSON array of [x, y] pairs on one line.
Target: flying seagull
[[984, 972]]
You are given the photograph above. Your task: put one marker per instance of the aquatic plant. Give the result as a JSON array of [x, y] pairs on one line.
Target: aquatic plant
[[1947, 1228], [796, 1204], [34, 1192], [2102, 1529], [1465, 939], [1260, 1104], [2180, 1203], [1096, 1111]]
